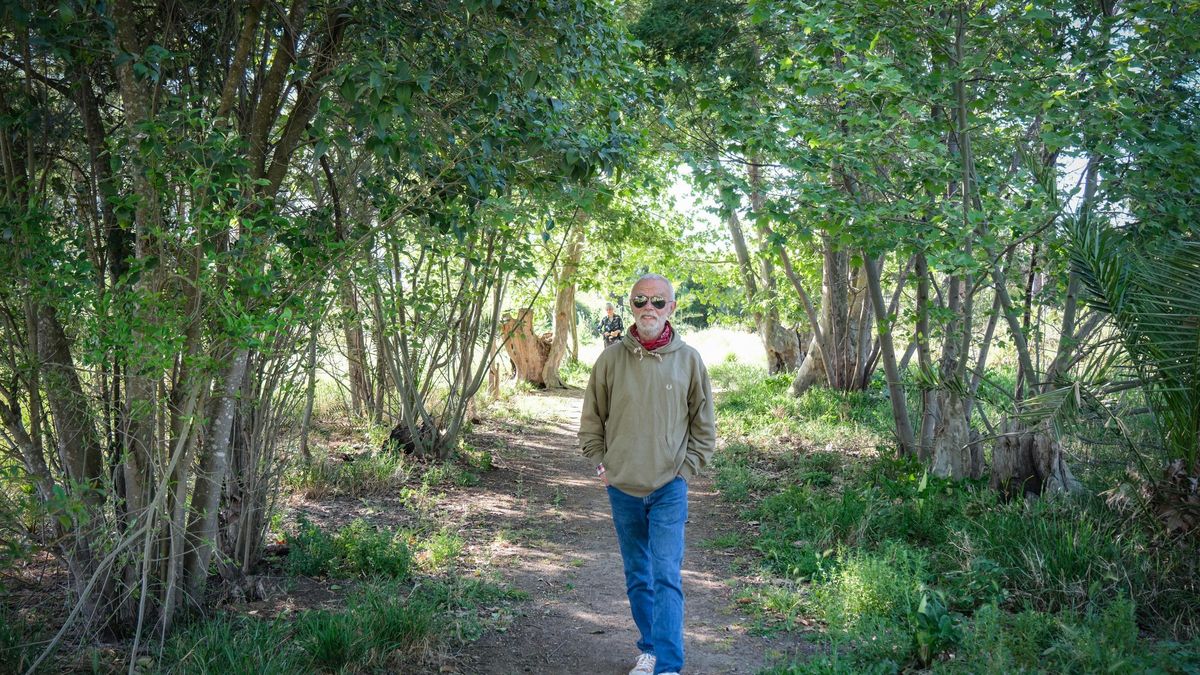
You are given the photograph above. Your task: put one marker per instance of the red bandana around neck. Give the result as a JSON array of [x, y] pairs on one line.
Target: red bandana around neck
[[650, 346]]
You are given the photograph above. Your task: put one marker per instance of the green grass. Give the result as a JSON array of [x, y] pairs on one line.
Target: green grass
[[18, 641], [357, 550], [367, 474], [907, 571], [388, 625]]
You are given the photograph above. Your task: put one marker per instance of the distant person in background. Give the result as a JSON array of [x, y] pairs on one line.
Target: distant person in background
[[611, 327], [648, 425]]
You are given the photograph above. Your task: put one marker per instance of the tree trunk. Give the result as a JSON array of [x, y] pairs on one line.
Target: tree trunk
[[202, 527], [564, 309], [956, 453], [781, 343], [361, 402], [841, 347], [79, 449], [527, 351], [310, 391], [904, 431]]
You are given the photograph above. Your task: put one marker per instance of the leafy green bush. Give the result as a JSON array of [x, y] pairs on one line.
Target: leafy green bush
[[369, 551], [441, 549]]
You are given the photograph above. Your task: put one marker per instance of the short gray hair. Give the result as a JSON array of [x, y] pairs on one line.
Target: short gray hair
[[657, 277], [608, 305]]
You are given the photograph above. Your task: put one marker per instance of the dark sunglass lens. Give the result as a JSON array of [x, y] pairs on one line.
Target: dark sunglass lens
[[658, 303], [640, 301]]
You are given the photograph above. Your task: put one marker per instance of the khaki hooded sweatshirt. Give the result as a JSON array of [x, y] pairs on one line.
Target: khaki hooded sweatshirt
[[648, 416]]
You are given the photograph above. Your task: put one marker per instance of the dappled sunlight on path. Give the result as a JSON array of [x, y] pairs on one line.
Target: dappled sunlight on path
[[540, 522]]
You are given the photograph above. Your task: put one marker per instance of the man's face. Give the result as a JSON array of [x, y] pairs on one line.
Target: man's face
[[650, 319], [608, 310]]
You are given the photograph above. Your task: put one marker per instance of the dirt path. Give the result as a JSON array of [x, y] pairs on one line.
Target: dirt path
[[541, 522]]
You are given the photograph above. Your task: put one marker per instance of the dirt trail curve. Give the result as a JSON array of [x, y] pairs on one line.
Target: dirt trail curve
[[542, 522]]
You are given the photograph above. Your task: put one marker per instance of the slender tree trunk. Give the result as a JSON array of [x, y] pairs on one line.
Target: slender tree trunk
[[781, 343], [904, 431], [564, 308], [214, 460], [310, 392], [79, 449], [956, 454]]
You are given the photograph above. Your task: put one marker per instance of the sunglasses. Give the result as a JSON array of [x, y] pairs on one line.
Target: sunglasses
[[639, 301]]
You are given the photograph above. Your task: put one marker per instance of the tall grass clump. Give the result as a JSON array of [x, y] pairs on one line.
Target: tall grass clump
[[16, 637], [356, 550], [758, 406], [385, 625], [331, 641], [355, 475], [233, 644], [1059, 554]]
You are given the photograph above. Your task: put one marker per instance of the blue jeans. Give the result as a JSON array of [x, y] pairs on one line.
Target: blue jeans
[[650, 533]]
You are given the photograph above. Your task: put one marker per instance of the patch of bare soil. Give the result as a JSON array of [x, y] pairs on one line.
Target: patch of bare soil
[[540, 521]]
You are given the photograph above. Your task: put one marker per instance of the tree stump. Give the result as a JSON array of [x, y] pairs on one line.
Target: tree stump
[[527, 350], [1029, 462]]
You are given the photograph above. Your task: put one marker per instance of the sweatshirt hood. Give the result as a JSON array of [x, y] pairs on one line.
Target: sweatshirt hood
[[631, 343]]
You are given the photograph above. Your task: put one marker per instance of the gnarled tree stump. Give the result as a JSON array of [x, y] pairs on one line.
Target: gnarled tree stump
[[1028, 461], [527, 350]]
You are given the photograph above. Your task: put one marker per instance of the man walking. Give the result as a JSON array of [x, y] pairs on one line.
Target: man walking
[[648, 425], [611, 326]]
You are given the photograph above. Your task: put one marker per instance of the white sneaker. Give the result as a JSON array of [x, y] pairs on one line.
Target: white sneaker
[[673, 672], [645, 665]]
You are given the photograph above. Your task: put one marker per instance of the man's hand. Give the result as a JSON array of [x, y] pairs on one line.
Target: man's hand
[[601, 474]]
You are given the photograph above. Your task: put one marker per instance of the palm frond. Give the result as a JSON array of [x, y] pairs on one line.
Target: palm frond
[[1149, 289]]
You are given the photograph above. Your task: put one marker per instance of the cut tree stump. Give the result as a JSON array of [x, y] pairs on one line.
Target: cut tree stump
[[527, 350], [1028, 461]]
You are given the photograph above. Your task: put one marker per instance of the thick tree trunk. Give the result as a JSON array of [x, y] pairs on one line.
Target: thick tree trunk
[[527, 351], [842, 343], [957, 453]]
